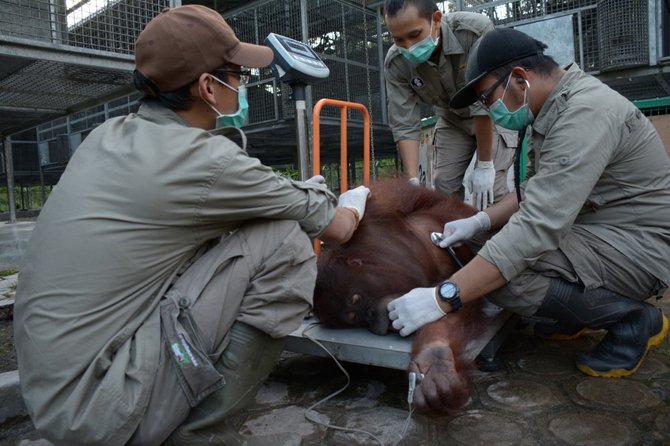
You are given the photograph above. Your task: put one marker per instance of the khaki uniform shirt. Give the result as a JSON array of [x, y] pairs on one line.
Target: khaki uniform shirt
[[137, 199], [407, 84], [595, 161]]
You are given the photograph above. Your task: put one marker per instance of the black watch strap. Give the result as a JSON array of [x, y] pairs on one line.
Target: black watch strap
[[450, 293]]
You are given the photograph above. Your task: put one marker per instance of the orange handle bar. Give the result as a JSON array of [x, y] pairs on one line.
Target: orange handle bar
[[316, 143]]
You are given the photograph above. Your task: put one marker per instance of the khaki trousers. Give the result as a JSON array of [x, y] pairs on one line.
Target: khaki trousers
[[454, 146], [580, 258], [262, 275]]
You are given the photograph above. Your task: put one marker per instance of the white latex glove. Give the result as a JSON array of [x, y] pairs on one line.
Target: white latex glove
[[480, 183], [458, 231], [316, 179], [414, 181], [355, 200], [413, 310]]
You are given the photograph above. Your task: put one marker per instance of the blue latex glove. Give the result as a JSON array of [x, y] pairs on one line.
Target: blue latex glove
[[480, 183]]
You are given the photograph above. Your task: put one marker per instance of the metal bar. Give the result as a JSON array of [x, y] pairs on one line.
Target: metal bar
[[9, 168], [344, 179], [652, 103], [653, 31], [380, 61], [316, 143], [304, 31], [53, 52], [301, 128], [581, 39], [8, 108], [633, 72]]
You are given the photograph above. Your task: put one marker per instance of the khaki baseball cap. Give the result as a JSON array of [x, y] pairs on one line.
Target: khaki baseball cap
[[180, 44]]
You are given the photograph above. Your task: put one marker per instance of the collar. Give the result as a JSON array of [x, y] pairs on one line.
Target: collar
[[450, 44], [154, 111], [545, 118], [157, 113]]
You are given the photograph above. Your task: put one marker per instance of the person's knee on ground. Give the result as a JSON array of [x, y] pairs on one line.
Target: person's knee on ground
[[245, 364], [633, 327]]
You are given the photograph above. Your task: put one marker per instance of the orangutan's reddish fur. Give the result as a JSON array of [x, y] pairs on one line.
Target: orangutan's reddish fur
[[390, 254]]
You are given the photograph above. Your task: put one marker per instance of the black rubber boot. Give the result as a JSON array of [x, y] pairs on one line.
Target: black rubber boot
[[633, 326], [569, 311], [626, 344]]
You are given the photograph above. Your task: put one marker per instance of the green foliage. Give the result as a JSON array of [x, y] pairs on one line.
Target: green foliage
[[28, 197], [8, 272], [289, 172], [385, 168]]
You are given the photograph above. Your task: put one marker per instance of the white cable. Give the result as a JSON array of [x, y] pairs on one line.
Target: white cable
[[309, 417]]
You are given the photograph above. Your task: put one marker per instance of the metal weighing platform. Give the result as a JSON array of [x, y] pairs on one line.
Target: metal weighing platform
[[359, 345]]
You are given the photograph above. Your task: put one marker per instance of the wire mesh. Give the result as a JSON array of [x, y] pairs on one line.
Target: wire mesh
[[106, 25], [583, 12], [59, 85], [642, 87], [343, 32], [623, 33], [339, 31]]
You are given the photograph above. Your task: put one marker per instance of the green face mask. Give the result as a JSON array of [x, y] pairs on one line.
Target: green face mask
[[516, 120], [421, 51], [238, 118]]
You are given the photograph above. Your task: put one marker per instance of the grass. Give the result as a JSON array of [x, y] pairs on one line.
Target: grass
[[8, 272]]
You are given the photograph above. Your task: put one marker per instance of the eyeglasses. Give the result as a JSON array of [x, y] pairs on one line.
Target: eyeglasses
[[484, 98], [244, 74]]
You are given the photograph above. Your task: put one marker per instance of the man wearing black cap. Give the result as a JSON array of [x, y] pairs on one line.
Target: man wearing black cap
[[589, 241], [167, 266]]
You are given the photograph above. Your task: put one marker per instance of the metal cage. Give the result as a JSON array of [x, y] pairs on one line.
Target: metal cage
[[623, 34]]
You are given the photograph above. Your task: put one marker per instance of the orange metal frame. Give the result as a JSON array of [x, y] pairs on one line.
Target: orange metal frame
[[316, 143]]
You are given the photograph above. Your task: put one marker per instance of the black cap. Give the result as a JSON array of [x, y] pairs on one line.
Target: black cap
[[494, 50]]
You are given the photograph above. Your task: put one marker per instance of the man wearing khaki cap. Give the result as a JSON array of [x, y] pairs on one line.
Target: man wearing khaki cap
[[167, 266]]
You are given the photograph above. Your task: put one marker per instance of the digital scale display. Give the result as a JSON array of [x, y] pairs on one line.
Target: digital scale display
[[300, 48], [296, 61]]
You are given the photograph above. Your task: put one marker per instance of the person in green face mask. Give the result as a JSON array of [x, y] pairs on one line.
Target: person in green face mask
[[427, 65], [585, 244], [168, 266]]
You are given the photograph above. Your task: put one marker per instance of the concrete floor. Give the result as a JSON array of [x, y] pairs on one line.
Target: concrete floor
[[537, 397]]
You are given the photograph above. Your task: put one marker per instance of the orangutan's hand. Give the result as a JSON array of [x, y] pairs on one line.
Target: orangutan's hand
[[443, 388]]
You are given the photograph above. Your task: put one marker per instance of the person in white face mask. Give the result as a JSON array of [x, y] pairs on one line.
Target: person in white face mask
[[585, 243], [168, 266], [427, 65]]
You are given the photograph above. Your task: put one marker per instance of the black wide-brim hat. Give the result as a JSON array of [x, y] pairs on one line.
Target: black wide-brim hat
[[491, 51]]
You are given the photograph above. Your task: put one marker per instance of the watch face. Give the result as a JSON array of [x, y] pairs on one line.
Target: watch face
[[448, 290]]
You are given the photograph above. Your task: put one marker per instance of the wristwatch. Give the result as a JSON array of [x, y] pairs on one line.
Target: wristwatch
[[449, 292]]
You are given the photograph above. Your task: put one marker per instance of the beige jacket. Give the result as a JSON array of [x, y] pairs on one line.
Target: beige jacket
[[138, 198], [595, 161], [408, 85]]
